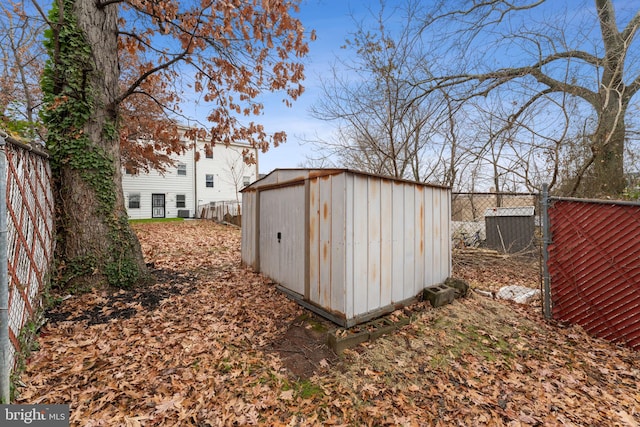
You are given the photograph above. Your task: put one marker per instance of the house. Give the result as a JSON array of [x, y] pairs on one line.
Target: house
[[348, 245], [199, 177]]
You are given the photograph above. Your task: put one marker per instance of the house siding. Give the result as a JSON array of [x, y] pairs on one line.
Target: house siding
[[170, 184], [227, 167]]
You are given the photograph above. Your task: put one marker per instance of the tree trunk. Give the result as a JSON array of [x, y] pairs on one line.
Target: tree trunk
[[608, 165], [96, 246]]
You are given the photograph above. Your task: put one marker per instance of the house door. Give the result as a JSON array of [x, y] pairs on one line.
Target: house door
[[157, 206]]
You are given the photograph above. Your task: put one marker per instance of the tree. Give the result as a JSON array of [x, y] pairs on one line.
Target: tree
[[21, 54], [236, 51], [384, 126], [519, 50], [237, 169], [149, 129]]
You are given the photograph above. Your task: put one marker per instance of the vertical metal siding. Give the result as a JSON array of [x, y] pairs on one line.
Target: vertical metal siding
[[314, 241], [327, 242], [371, 242], [594, 265], [408, 246], [443, 232], [349, 246], [248, 230], [397, 231], [326, 260], [386, 241], [337, 211], [431, 221], [419, 227], [373, 235], [282, 211], [359, 286], [516, 232]]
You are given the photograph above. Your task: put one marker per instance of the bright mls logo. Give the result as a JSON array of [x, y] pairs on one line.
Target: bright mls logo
[[34, 415]]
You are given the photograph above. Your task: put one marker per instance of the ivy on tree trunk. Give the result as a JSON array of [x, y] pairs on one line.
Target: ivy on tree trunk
[[95, 244]]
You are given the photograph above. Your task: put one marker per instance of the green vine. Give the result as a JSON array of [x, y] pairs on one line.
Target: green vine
[[69, 102], [122, 271]]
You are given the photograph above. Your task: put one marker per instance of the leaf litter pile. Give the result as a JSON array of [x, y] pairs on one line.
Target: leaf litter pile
[[212, 343]]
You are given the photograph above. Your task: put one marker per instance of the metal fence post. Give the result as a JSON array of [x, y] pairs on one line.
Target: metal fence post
[[546, 240], [5, 345]]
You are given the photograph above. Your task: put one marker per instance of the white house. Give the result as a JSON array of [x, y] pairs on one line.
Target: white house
[[217, 176]]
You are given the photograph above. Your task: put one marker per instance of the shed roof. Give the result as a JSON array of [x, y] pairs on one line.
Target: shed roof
[[512, 211], [291, 176]]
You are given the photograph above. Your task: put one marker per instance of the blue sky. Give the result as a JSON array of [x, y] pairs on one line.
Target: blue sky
[[332, 21]]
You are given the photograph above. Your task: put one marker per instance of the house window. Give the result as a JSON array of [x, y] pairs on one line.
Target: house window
[[208, 153], [181, 201], [128, 170], [246, 180], [182, 169], [134, 200], [209, 181]]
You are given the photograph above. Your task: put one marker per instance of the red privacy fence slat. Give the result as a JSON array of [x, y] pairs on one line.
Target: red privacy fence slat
[[594, 268]]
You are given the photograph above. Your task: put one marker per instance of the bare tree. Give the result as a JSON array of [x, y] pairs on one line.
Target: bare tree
[[21, 62], [236, 169], [531, 51], [384, 125]]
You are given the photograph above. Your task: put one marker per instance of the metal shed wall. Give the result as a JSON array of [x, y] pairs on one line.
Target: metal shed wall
[[510, 234], [363, 244], [510, 229], [249, 230], [375, 243]]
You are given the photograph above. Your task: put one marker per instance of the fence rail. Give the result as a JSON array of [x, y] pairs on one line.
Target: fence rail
[[29, 211]]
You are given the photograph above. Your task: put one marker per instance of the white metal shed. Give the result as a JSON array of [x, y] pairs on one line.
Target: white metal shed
[[348, 245]]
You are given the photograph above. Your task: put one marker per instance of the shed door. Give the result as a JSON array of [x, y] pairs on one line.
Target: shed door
[[157, 206], [282, 236]]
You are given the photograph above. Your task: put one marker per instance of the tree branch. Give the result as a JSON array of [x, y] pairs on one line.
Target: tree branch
[[132, 88], [101, 4]]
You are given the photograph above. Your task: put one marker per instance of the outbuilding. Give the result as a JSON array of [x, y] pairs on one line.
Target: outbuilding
[[348, 245], [511, 229]]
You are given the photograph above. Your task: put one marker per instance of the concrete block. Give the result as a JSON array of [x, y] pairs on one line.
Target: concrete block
[[461, 286], [381, 327], [439, 295], [351, 339], [402, 321]]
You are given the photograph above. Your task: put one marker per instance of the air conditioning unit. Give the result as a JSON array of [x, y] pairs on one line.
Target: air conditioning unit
[[183, 213]]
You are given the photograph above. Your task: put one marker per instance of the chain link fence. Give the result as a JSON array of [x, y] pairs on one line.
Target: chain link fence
[[496, 241], [28, 209], [592, 268]]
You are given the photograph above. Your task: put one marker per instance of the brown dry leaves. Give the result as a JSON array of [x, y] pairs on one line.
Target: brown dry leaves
[[198, 357], [488, 271]]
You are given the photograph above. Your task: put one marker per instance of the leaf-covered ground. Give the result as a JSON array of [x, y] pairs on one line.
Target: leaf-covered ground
[[212, 343]]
